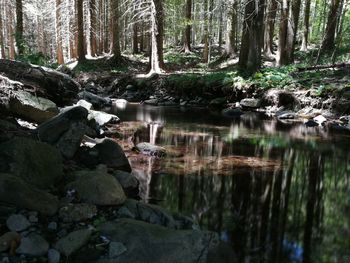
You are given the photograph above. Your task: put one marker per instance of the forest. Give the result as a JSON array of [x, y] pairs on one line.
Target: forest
[[168, 131]]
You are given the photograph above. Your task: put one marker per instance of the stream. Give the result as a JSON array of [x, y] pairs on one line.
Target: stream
[[274, 191]]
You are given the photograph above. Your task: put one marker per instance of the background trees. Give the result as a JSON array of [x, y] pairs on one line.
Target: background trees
[[65, 30]]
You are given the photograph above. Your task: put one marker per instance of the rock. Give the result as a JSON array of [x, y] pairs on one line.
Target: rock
[[65, 130], [98, 187], [120, 103], [52, 226], [77, 212], [17, 223], [85, 104], [345, 119], [278, 97], [250, 103], [110, 153], [53, 256], [37, 163], [73, 241], [33, 218], [151, 149], [286, 115], [311, 123], [33, 245], [148, 213], [232, 112], [32, 108], [153, 102], [218, 102], [97, 101], [102, 118], [320, 119], [116, 249], [15, 191], [9, 239], [152, 243], [127, 180]]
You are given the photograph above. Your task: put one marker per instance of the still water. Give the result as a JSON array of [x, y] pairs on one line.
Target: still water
[[274, 191]]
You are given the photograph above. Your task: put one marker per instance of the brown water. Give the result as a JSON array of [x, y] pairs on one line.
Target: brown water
[[276, 192]]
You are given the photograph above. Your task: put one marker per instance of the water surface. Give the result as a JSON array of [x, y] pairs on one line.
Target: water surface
[[274, 191]]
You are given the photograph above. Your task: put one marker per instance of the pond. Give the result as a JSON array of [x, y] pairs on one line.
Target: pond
[[274, 191]]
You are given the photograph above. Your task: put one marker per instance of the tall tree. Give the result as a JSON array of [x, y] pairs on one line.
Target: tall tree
[[250, 55], [93, 25], [60, 59], [2, 44], [81, 49], [206, 32], [19, 27], [282, 53], [187, 34], [230, 45], [269, 28], [329, 37], [116, 36], [305, 38], [157, 31]]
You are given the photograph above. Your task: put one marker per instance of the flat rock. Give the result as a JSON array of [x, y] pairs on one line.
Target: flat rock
[[151, 149], [286, 115], [73, 241], [83, 103], [152, 102], [102, 118], [152, 243], [250, 103], [97, 187], [77, 212], [17, 223], [33, 245], [32, 108], [97, 101], [15, 191]]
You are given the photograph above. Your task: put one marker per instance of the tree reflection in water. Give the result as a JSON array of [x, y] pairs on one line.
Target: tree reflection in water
[[277, 192]]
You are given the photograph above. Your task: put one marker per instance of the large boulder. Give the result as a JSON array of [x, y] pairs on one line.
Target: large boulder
[[250, 103], [97, 101], [65, 130], [33, 245], [277, 97], [37, 163], [97, 187], [152, 243], [15, 191], [31, 107]]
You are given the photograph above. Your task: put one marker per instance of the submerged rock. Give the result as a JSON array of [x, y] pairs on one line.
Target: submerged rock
[[73, 241], [17, 223], [152, 243], [232, 112], [33, 245], [116, 249], [151, 149]]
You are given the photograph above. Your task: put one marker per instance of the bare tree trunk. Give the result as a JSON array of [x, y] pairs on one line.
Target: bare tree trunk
[[230, 46], [250, 55], [11, 34], [206, 33], [2, 45], [60, 59], [81, 49], [116, 36], [93, 28], [19, 27], [305, 40], [135, 39], [270, 27], [328, 40], [282, 55], [156, 58], [293, 28], [187, 35]]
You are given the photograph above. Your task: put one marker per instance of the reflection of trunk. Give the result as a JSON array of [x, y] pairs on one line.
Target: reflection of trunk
[[315, 162], [181, 193], [152, 182], [220, 204]]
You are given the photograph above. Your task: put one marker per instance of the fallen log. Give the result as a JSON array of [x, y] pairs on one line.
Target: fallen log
[[44, 82], [317, 67]]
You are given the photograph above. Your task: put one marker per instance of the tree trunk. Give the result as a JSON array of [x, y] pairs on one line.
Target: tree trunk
[[116, 36], [293, 28], [206, 33], [93, 29], [328, 40], [282, 54], [230, 46], [60, 58], [305, 40], [270, 28], [2, 45], [11, 33], [156, 58], [19, 27], [135, 38], [81, 49], [187, 35], [250, 55]]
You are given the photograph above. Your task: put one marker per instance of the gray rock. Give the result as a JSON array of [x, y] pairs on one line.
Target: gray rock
[[232, 112], [33, 219], [286, 115], [278, 97], [77, 212], [17, 223], [110, 153], [52, 226], [83, 103], [102, 118], [116, 249], [153, 102], [151, 149], [37, 163], [53, 256], [250, 103], [156, 244], [127, 180], [33, 245], [65, 130], [97, 101], [311, 123], [97, 187], [15, 191], [73, 241], [32, 108]]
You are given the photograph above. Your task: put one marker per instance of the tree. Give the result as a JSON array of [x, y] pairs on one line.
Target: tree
[[157, 31], [81, 49], [230, 46], [270, 27], [93, 25], [282, 53], [250, 55], [19, 27], [116, 36], [305, 39], [187, 34], [60, 58]]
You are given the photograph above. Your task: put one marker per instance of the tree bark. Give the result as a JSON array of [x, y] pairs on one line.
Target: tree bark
[[81, 49], [270, 28], [282, 54], [93, 30], [19, 27], [329, 37], [11, 33], [157, 31], [187, 35], [305, 40], [230, 46], [60, 58], [2, 45], [250, 55], [116, 36], [206, 33]]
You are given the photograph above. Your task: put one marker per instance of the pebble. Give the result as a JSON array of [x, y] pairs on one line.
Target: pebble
[[52, 226], [17, 223], [53, 256]]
